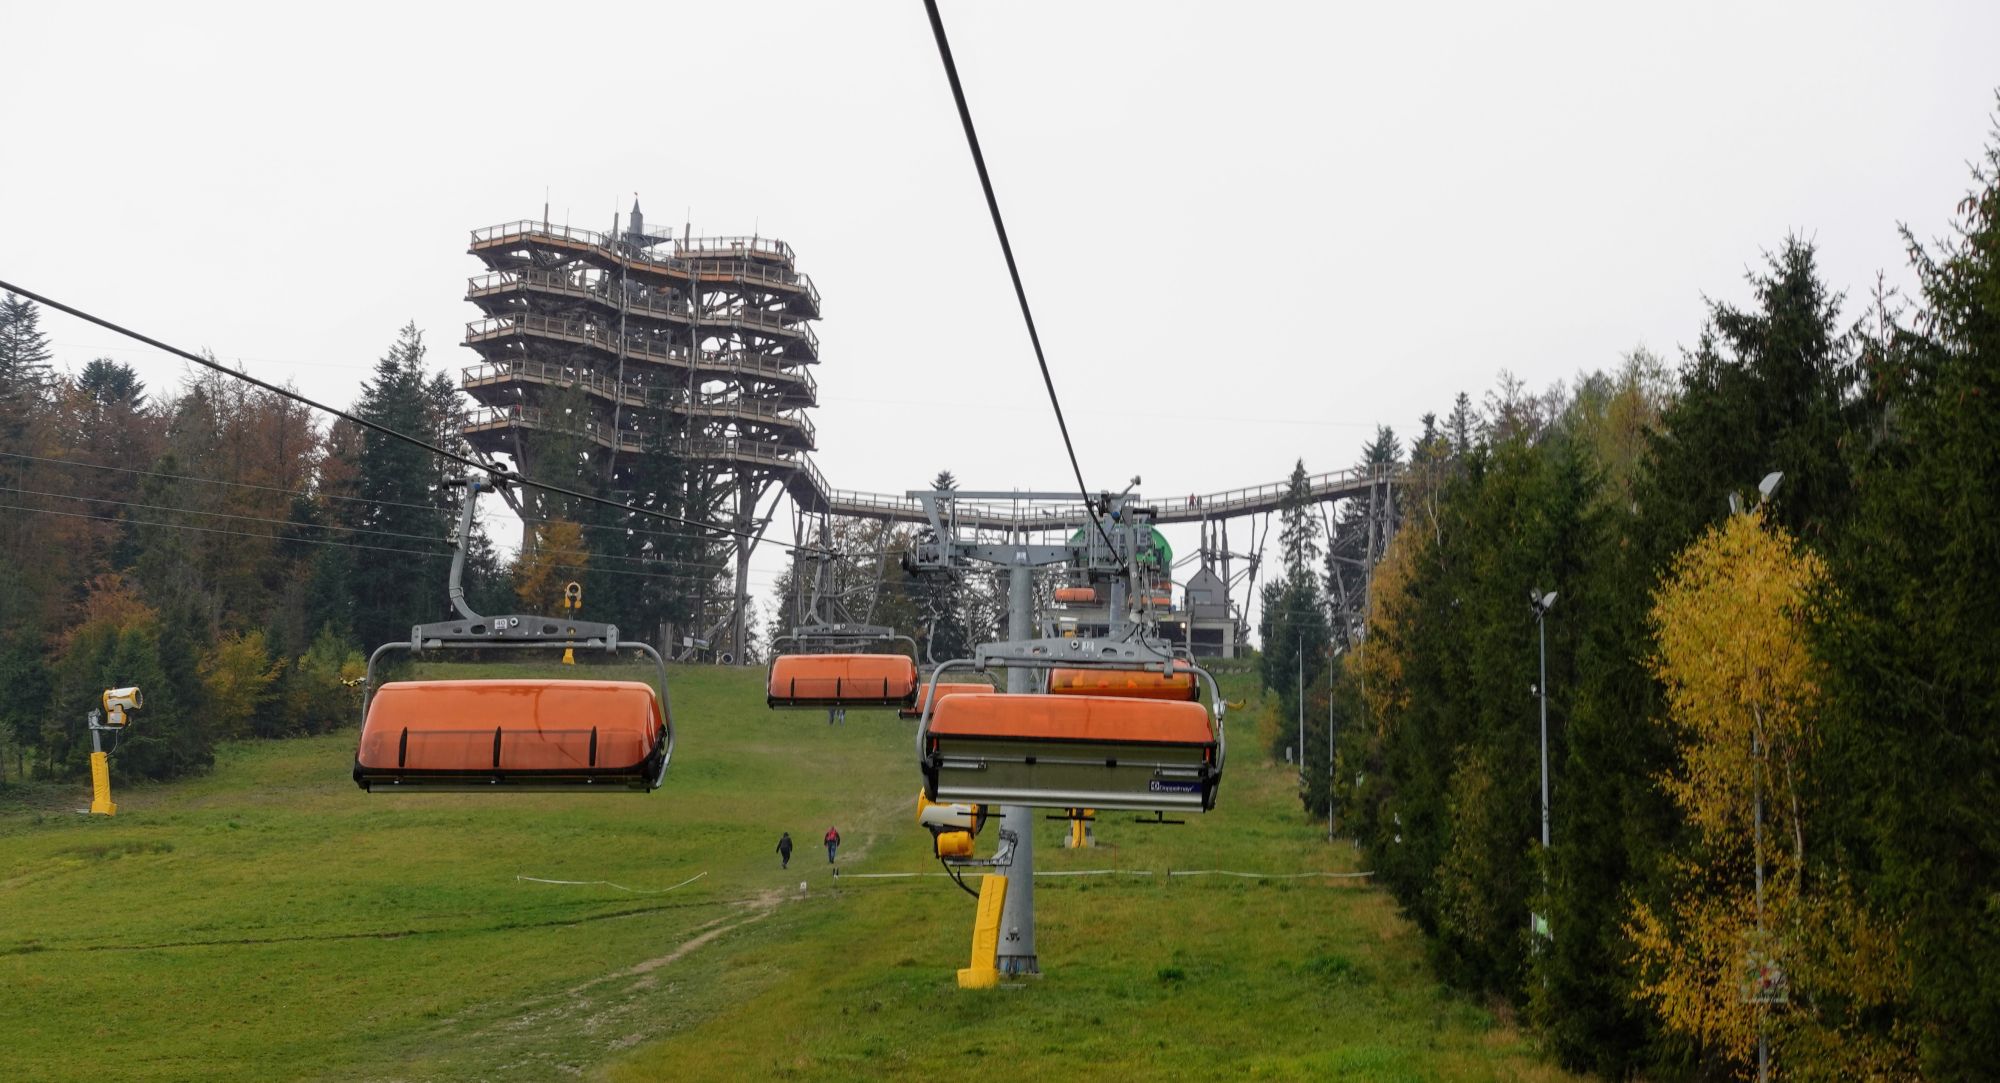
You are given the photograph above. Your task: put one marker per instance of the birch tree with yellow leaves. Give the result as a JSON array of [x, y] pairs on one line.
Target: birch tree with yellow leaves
[[1756, 950]]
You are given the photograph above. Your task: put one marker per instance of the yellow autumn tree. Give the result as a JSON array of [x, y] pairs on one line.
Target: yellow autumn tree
[[1382, 655], [1755, 942], [236, 674], [556, 557]]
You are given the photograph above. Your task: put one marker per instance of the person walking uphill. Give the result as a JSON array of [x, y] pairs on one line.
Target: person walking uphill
[[785, 850], [832, 844]]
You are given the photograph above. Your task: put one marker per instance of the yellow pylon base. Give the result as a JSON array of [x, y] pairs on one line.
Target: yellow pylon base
[[983, 974], [100, 785], [1079, 831]]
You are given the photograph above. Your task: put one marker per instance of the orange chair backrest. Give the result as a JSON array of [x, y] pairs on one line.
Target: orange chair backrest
[[948, 689], [1124, 683], [1071, 718], [510, 725], [872, 677]]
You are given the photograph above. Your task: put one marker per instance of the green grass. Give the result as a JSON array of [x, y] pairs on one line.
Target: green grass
[[271, 920]]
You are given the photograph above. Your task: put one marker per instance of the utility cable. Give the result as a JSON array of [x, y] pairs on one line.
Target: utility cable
[[308, 494], [667, 577], [714, 569], [227, 515], [1007, 250], [219, 530], [493, 470], [320, 494]]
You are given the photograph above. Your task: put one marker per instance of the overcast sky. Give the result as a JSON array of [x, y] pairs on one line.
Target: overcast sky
[[1250, 232]]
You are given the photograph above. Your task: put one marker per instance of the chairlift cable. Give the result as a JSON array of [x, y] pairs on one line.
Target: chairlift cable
[[1007, 250]]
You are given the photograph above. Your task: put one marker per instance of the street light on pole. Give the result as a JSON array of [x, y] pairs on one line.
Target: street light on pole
[[1542, 603], [1757, 749]]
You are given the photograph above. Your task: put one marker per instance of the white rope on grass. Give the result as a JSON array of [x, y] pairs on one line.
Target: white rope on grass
[[1038, 872], [1269, 875], [621, 887]]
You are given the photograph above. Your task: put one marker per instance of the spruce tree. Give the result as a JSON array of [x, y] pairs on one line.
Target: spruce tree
[[1914, 667], [394, 480], [942, 601], [24, 357]]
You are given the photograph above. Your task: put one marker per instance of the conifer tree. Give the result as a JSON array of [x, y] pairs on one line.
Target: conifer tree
[[1914, 673], [394, 480], [24, 357]]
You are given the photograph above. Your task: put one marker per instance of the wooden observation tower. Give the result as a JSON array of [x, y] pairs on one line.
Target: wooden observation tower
[[624, 343]]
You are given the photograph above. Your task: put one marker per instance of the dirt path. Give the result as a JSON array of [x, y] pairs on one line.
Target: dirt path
[[749, 910]]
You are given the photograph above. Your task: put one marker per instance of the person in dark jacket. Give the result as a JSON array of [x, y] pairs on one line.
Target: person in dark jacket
[[832, 844], [785, 850]]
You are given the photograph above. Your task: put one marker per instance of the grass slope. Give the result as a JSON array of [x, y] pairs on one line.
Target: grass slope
[[271, 920]]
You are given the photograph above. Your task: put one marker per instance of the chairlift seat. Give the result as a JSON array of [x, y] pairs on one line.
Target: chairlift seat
[[515, 734], [1126, 683], [1077, 595], [842, 680], [1071, 751], [916, 709]]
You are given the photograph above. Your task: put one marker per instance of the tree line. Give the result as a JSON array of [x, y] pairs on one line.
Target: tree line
[[1771, 718], [234, 555]]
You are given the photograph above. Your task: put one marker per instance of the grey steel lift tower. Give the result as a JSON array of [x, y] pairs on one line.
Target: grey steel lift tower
[[941, 550]]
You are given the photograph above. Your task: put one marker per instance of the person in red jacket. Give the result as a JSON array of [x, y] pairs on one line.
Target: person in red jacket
[[832, 844]]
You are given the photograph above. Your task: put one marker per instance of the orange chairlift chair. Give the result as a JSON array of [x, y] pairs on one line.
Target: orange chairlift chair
[[1181, 684], [826, 669], [512, 734], [935, 690], [1073, 751]]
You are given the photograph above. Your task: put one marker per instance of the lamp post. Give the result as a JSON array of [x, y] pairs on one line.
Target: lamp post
[[1300, 654], [1542, 603], [1758, 749], [1329, 752]]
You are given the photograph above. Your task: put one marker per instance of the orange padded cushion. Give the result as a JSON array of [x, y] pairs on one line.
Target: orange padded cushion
[[949, 689], [1124, 683], [830, 676], [545, 725], [1071, 718], [924, 693]]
